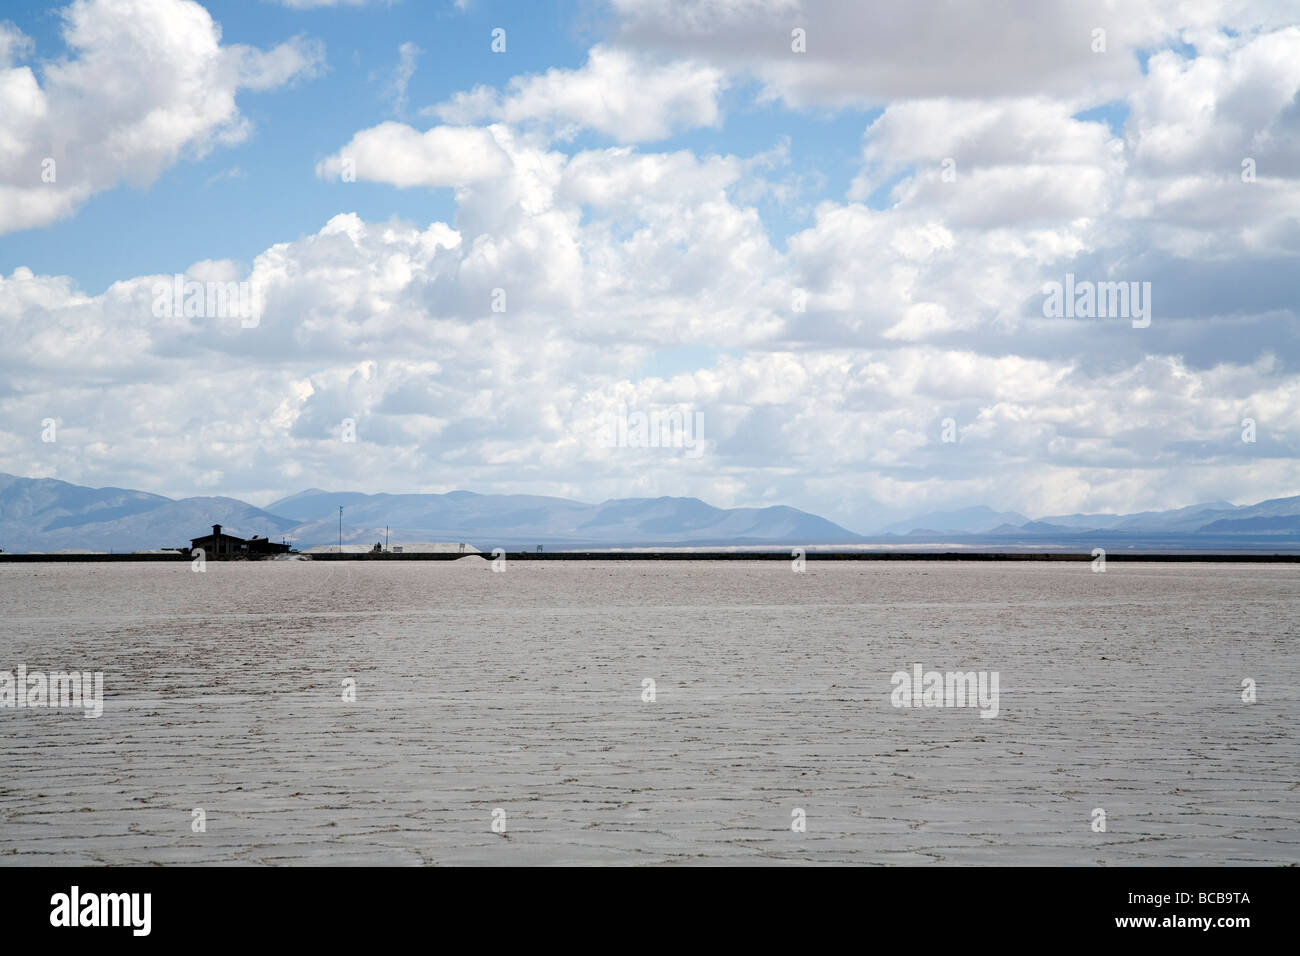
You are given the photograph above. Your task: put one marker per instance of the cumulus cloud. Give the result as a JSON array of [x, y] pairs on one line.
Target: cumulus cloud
[[606, 257], [1205, 114], [824, 359], [631, 99], [989, 134], [145, 83], [396, 154], [870, 54]]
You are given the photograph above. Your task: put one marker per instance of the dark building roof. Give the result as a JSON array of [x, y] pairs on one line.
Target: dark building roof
[[219, 542]]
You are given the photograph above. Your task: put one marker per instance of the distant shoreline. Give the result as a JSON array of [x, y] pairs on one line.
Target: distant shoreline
[[781, 555]]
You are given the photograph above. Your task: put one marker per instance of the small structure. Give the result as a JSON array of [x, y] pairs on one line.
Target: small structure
[[220, 545], [261, 547]]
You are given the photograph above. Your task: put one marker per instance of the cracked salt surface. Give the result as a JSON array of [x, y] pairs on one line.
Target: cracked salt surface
[[522, 690]]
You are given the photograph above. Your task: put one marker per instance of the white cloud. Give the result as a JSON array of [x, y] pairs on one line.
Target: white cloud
[[836, 409], [1206, 114], [407, 55], [146, 82], [925, 309], [628, 98], [396, 154], [871, 54], [13, 44], [297, 59], [621, 176], [868, 54], [1019, 132]]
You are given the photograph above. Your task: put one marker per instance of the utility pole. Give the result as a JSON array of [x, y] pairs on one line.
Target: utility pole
[[385, 537], [340, 529]]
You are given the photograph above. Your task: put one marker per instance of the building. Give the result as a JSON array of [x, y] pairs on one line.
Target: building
[[219, 545]]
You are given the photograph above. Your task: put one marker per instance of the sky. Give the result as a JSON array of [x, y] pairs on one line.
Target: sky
[[469, 239]]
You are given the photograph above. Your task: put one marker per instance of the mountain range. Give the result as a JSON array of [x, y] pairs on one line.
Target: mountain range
[[47, 515], [44, 514]]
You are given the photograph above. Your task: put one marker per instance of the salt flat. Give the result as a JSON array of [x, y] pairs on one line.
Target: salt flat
[[523, 691]]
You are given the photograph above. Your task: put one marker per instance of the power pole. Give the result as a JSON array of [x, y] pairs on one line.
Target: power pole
[[385, 537], [340, 529]]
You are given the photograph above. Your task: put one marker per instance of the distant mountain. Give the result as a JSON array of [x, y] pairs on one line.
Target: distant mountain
[[525, 520], [1275, 516], [965, 521], [49, 515], [1036, 527], [1265, 523], [273, 506], [43, 514], [1273, 508], [1279, 524], [1180, 519]]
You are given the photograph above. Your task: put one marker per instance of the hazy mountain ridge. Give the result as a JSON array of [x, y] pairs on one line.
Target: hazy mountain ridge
[[49, 515], [1274, 516], [44, 514], [963, 521], [524, 520], [41, 514]]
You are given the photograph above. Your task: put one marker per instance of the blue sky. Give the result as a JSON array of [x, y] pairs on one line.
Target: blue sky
[[828, 253], [236, 201]]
